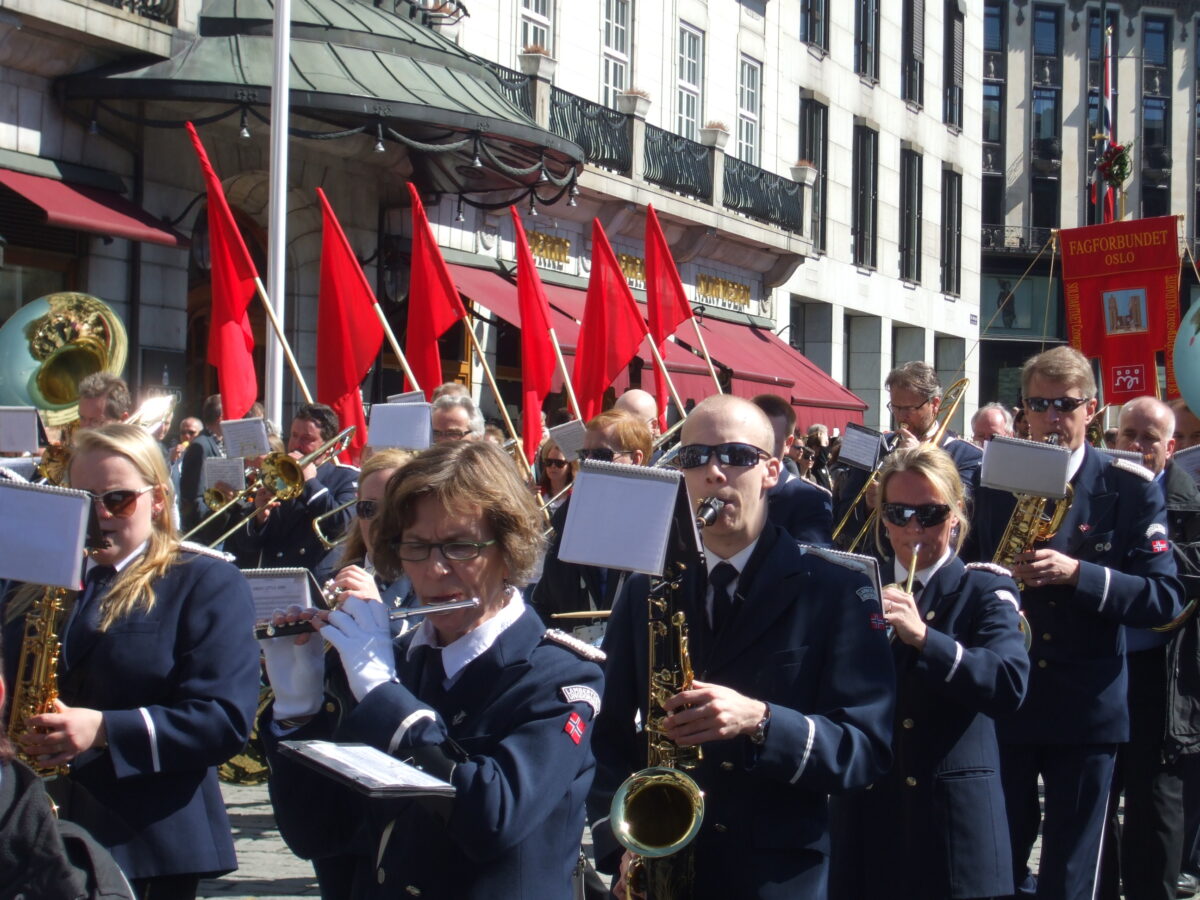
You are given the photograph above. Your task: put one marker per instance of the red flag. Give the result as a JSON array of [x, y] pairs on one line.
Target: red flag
[[433, 303], [348, 332], [612, 328], [666, 304], [230, 340], [537, 354]]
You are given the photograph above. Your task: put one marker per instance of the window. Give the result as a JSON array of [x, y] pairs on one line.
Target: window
[[690, 82], [537, 24], [1046, 119], [910, 215], [1044, 196], [1156, 125], [1046, 31], [616, 50], [814, 146], [1156, 41], [1156, 116], [993, 114], [912, 86], [992, 200], [952, 106], [865, 189], [814, 27], [994, 64], [866, 39], [749, 109], [951, 232]]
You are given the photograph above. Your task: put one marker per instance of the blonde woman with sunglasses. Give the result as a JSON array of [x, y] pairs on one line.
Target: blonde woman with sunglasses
[[158, 677]]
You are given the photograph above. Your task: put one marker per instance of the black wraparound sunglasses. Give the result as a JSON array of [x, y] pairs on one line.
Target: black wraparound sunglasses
[[927, 514]]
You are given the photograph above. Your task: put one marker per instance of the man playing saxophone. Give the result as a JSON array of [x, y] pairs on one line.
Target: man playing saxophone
[[1108, 565], [793, 689]]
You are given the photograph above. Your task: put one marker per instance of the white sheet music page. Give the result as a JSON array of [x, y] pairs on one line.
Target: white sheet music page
[[18, 429], [42, 531], [273, 589], [569, 438], [369, 767], [860, 446], [620, 517], [404, 425], [245, 437], [225, 470]]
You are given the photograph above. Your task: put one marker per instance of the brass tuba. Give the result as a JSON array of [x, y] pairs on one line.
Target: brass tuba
[[49, 345]]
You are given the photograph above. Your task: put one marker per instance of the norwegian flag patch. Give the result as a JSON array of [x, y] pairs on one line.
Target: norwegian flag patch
[[1159, 546], [878, 622], [575, 727]]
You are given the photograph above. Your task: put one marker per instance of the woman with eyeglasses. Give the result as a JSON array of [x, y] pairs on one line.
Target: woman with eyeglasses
[[158, 677], [484, 697], [935, 826], [556, 474]]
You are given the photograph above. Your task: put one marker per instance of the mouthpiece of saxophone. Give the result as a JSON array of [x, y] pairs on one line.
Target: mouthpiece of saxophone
[[706, 513]]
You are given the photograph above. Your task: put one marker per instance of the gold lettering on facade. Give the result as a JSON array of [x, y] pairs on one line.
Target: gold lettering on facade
[[711, 289], [549, 250], [633, 268]]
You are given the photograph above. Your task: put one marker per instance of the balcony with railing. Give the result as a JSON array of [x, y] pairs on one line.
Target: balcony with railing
[[600, 131], [677, 164], [762, 195], [1021, 240], [514, 86], [158, 10]]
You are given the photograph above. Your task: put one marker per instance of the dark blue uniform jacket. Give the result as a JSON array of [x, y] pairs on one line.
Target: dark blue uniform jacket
[[803, 642], [516, 822], [935, 827], [802, 509], [1116, 527]]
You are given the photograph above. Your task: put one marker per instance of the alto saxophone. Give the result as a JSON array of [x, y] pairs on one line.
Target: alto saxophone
[[657, 811], [36, 686]]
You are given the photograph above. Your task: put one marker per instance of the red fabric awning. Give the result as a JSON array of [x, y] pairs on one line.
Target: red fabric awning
[[90, 209]]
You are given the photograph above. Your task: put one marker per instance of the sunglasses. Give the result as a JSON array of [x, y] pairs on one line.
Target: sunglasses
[[927, 514], [692, 456], [1062, 404], [458, 551], [554, 463], [119, 503], [366, 509], [601, 454]]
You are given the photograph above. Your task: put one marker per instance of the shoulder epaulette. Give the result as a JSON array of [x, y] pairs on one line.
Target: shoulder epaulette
[[994, 568], [1130, 466], [574, 644], [200, 549], [344, 465]]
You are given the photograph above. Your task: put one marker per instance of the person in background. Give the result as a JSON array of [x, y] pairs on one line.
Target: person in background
[[642, 406], [206, 445], [103, 399], [1187, 426], [989, 421], [455, 417], [556, 475], [494, 434], [802, 509]]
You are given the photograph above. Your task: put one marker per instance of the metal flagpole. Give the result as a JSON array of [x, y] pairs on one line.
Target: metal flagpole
[[277, 223]]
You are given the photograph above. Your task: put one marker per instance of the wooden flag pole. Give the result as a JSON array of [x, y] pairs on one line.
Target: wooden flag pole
[[662, 367], [387, 330], [287, 350], [487, 371], [708, 359], [566, 376]]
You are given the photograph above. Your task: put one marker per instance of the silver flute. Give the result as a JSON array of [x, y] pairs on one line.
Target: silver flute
[[264, 630]]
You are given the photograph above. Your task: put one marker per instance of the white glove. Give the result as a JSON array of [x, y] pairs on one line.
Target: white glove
[[359, 630], [297, 675]]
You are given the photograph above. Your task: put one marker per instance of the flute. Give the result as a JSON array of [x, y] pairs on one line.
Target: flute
[[264, 630]]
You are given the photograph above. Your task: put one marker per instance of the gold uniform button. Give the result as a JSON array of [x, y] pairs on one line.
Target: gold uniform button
[[910, 781], [908, 723], [1042, 664], [727, 766], [1046, 636], [330, 707], [929, 616]]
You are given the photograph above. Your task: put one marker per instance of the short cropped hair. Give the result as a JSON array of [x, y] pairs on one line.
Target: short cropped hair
[[916, 376], [1065, 364], [320, 415], [117, 402], [463, 401], [1004, 411], [632, 433], [463, 476], [212, 412], [938, 468]]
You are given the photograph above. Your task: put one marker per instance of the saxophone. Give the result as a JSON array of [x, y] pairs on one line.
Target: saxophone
[[36, 686], [657, 811]]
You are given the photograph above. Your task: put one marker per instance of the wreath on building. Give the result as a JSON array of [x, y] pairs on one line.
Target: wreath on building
[[1115, 165]]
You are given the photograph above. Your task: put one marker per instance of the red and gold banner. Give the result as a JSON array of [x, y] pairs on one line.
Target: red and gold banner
[[1121, 285]]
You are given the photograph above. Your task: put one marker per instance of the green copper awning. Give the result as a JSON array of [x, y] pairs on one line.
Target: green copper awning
[[352, 65]]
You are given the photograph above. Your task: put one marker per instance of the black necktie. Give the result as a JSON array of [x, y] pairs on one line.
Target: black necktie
[[721, 577], [87, 605], [433, 676]]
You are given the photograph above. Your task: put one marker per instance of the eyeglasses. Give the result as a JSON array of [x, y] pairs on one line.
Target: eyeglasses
[[554, 463], [458, 551], [927, 514], [366, 509], [119, 503], [692, 456], [1062, 404], [808, 454], [901, 410], [450, 434], [601, 454]]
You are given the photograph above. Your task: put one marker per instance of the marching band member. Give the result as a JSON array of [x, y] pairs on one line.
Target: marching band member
[[934, 827], [1109, 565], [555, 474], [793, 693], [485, 698], [799, 507], [158, 677]]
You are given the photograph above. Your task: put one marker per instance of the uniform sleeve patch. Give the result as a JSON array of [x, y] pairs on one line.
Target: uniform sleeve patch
[[1008, 595], [202, 550], [1160, 546], [575, 727], [1156, 528], [994, 568], [572, 643], [1129, 465], [581, 693], [867, 594], [878, 622]]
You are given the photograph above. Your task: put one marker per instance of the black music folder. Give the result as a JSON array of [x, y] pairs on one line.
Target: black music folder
[[367, 770]]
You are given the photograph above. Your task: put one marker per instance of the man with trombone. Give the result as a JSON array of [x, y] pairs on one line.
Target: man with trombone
[[916, 402]]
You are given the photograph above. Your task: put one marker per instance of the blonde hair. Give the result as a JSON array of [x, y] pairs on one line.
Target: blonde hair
[[131, 591], [355, 548], [1064, 364], [464, 477], [631, 433], [937, 467]]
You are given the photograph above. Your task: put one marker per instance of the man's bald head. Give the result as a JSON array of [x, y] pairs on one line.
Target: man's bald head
[[752, 421], [1147, 426], [641, 405]]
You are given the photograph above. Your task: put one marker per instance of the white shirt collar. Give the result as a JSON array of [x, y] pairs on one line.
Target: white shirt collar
[[1076, 460], [922, 575], [738, 560], [121, 564], [473, 644]]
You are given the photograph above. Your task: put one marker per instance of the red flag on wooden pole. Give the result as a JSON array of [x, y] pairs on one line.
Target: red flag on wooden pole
[[433, 302], [348, 333], [233, 276], [537, 353], [612, 328], [666, 304]]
